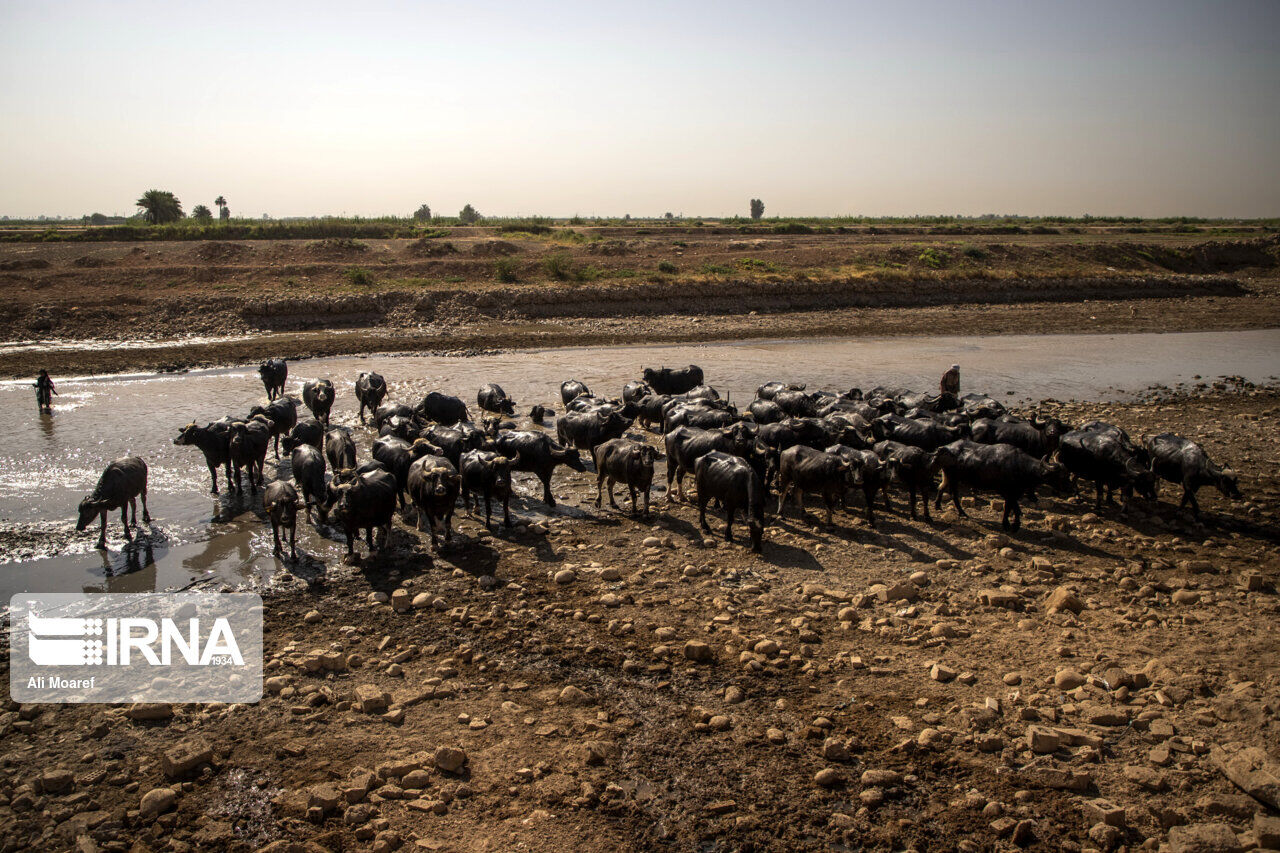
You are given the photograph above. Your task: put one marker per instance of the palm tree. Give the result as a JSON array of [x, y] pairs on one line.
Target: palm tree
[[224, 212], [160, 207], [202, 213]]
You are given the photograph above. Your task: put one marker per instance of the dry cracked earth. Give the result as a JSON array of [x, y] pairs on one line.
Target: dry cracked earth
[[1097, 681]]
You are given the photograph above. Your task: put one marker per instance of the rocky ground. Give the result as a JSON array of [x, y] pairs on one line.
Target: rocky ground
[[1099, 680]]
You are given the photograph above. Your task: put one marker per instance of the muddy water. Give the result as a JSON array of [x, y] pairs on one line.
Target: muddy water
[[47, 463]]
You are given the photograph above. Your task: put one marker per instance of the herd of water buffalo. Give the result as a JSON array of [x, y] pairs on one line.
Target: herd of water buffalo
[[789, 440]]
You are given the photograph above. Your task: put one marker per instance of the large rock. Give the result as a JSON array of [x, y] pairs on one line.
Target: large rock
[[1203, 838], [143, 711], [1252, 771], [698, 651], [157, 801], [1063, 599], [372, 699], [184, 758], [450, 759]]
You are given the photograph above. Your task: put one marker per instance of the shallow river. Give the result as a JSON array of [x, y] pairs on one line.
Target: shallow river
[[47, 463]]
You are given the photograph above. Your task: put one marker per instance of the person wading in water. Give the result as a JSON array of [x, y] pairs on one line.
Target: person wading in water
[[950, 383], [45, 392]]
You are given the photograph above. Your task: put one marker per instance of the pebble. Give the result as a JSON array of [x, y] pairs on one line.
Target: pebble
[[312, 617], [828, 777], [157, 801]]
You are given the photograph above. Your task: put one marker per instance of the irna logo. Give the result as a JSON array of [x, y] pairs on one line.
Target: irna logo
[[61, 641]]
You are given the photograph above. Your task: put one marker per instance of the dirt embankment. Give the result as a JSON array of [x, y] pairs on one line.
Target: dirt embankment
[[1100, 680], [538, 290]]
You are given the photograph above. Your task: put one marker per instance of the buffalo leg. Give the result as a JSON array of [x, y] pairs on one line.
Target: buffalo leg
[[448, 524], [506, 510], [488, 511], [275, 535], [213, 474], [133, 507], [599, 488], [613, 503], [870, 494], [102, 534], [547, 497], [646, 502], [124, 511], [924, 502], [146, 513], [293, 540], [702, 513], [728, 521]]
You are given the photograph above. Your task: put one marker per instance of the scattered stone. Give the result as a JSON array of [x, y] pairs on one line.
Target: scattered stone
[[450, 759], [183, 759], [1042, 740], [1203, 838], [942, 673], [145, 711], [312, 617], [1064, 599], [1067, 679], [571, 695], [157, 801], [565, 576], [372, 699], [828, 777], [698, 651], [1186, 596]]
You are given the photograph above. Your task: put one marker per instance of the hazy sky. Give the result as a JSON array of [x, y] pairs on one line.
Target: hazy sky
[[555, 108]]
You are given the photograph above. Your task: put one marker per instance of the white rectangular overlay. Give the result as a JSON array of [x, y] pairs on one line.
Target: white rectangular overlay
[[143, 647]]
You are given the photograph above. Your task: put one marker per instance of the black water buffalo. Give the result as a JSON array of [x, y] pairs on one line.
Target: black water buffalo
[[283, 416], [247, 445], [976, 406], [624, 461], [214, 441], [769, 390], [636, 390], [366, 502], [571, 389], [733, 482], [697, 414], [1140, 453], [307, 465], [678, 380], [489, 474], [390, 410], [942, 402], [925, 434], [803, 469], [999, 468], [1102, 458], [491, 398], [910, 467], [318, 396], [119, 487], [443, 409], [396, 456], [587, 431], [538, 414], [1039, 438], [652, 409], [274, 373], [1180, 460], [536, 453], [400, 427], [280, 500], [433, 486], [339, 449], [453, 442], [309, 431], [370, 389], [766, 411], [686, 445], [796, 404], [868, 472]]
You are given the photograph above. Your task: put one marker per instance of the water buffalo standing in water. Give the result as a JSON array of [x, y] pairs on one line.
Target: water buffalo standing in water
[[624, 461], [1000, 468], [248, 449], [214, 441], [280, 500], [339, 449], [587, 431], [274, 372], [768, 390], [309, 431], [733, 482], [318, 396], [673, 380], [370, 389], [443, 409], [119, 487], [307, 464], [387, 411], [572, 388], [433, 486], [486, 473], [491, 398], [538, 414], [282, 415], [1182, 461], [536, 453]]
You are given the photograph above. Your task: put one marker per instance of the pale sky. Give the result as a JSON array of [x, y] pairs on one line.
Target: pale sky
[[601, 108]]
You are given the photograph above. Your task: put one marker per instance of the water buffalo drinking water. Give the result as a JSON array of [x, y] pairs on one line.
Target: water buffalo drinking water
[[119, 487]]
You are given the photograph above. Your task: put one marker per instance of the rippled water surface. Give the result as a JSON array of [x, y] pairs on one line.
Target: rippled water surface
[[47, 463]]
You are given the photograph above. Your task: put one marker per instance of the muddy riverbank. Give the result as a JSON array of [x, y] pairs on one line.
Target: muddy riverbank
[[608, 682]]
